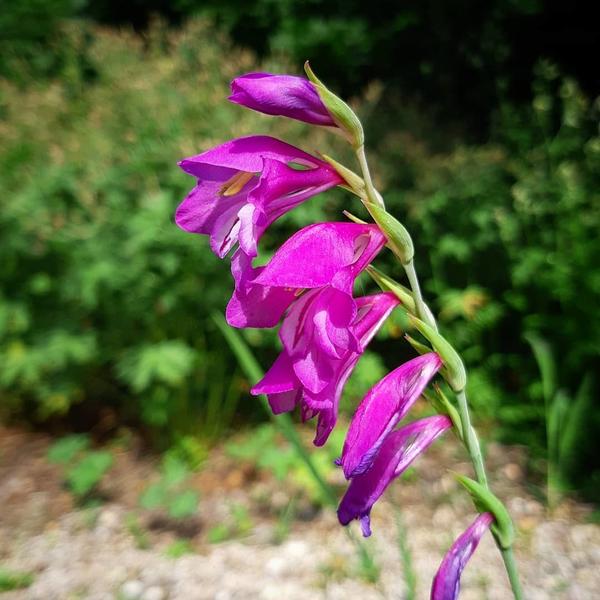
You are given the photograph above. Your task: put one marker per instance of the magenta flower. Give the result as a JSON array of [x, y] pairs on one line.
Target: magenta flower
[[446, 583], [325, 257], [395, 455], [281, 95], [287, 384], [384, 406], [246, 184]]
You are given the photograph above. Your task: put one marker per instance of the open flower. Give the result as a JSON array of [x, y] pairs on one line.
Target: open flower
[[281, 95], [395, 455], [325, 257], [285, 388], [446, 583], [384, 406], [246, 184]]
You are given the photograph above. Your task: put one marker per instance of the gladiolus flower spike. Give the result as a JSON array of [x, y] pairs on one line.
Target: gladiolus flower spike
[[243, 186]]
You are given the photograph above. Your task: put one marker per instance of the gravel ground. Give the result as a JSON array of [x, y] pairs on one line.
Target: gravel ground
[[99, 561], [92, 554]]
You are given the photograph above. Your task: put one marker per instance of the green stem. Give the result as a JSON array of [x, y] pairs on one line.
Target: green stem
[[470, 438], [422, 311], [513, 574], [468, 432], [372, 193]]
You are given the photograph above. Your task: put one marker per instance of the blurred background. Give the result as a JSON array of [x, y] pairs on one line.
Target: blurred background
[[123, 403]]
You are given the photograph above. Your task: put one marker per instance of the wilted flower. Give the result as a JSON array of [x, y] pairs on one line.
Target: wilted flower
[[281, 95], [395, 455], [325, 257], [446, 583], [246, 184], [285, 388], [384, 406]]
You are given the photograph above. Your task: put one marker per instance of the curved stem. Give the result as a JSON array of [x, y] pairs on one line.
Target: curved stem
[[470, 438], [372, 193], [469, 435], [422, 311]]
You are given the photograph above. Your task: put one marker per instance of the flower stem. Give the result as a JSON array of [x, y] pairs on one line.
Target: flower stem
[[513, 574], [470, 438], [422, 311], [469, 435], [372, 194]]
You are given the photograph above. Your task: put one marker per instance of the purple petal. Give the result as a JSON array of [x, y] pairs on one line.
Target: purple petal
[[254, 305], [231, 204], [446, 583], [244, 154], [397, 452], [281, 95], [314, 255], [384, 406]]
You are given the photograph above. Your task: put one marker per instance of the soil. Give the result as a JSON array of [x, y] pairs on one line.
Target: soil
[[116, 550]]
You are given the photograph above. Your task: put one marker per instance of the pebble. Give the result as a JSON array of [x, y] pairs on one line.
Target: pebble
[[153, 593], [132, 590]]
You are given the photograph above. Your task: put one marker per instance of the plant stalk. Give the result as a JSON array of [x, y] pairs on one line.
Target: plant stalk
[[469, 435]]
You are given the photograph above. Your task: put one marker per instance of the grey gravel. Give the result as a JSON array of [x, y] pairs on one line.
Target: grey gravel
[[75, 560]]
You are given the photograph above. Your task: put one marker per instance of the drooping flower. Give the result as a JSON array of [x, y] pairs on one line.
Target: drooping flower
[[246, 184], [285, 389], [446, 583], [281, 95], [395, 455], [325, 257], [384, 406]]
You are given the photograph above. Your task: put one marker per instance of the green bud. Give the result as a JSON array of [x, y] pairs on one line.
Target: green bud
[[420, 348], [355, 183], [399, 239], [340, 112], [454, 369], [484, 501], [442, 405], [387, 284]]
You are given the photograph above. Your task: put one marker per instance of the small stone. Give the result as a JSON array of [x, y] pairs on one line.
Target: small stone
[[132, 590], [154, 593], [513, 472], [276, 566]]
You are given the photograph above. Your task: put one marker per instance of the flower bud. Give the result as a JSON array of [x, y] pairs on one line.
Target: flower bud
[[387, 284], [355, 183], [454, 369], [340, 112], [485, 501], [399, 239]]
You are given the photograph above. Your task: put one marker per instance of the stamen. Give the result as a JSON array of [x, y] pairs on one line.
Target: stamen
[[236, 183]]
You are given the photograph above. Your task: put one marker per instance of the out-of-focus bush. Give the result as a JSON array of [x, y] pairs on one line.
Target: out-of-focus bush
[[507, 242], [102, 297]]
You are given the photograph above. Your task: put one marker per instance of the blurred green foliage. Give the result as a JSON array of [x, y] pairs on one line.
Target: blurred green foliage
[[507, 245], [84, 468], [105, 303], [172, 492], [103, 298]]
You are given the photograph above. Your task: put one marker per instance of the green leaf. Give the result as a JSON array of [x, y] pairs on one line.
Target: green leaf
[[153, 496], [485, 501], [88, 472], [184, 504], [67, 448]]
